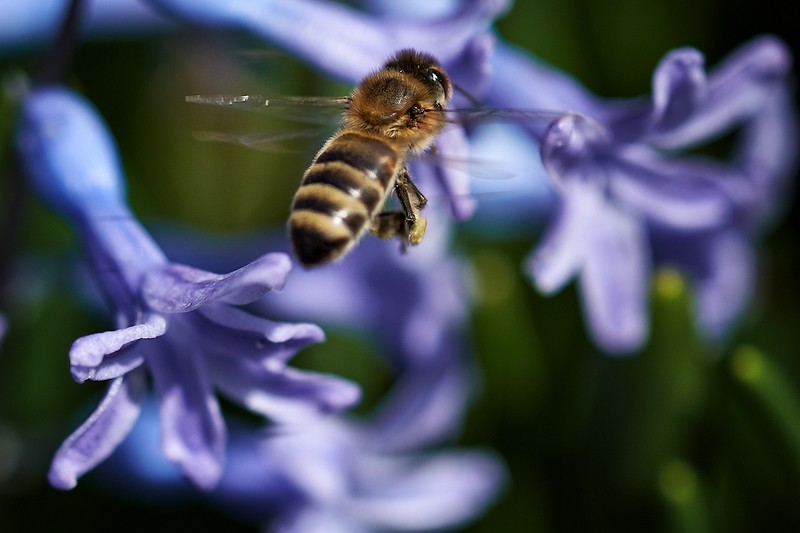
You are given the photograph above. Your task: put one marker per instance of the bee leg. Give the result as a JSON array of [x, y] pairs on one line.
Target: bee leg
[[389, 224], [411, 201]]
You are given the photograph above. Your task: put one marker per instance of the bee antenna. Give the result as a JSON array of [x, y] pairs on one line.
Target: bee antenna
[[468, 95]]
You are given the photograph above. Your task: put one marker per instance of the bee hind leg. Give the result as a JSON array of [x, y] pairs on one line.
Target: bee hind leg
[[411, 201], [389, 224]]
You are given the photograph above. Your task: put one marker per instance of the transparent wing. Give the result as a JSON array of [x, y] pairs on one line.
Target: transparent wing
[[310, 109], [476, 168], [538, 119], [277, 142]]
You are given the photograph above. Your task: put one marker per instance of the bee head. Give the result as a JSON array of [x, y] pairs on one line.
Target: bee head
[[425, 68]]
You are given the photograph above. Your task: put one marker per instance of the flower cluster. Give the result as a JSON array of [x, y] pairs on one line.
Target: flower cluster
[[631, 202], [176, 323]]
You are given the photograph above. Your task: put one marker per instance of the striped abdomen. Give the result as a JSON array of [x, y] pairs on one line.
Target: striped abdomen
[[341, 192]]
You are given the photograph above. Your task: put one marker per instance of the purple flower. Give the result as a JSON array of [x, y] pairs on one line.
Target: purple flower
[[379, 472], [176, 323], [339, 40], [630, 201]]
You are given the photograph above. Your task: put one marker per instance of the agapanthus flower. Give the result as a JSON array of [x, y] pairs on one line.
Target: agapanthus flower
[[388, 471], [631, 201], [174, 322], [391, 469]]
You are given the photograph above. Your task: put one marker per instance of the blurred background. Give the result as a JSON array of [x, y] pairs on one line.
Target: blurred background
[[684, 435]]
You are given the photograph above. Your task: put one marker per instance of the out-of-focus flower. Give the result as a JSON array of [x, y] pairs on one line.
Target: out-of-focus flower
[[31, 24], [337, 39], [631, 201], [175, 322]]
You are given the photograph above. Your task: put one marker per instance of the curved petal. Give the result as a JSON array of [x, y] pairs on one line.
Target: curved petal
[[614, 281], [562, 251], [102, 432], [235, 331], [57, 129], [425, 406], [683, 193], [737, 90], [90, 350], [679, 87], [723, 293], [193, 431], [423, 494], [284, 394], [519, 80], [768, 154], [113, 366], [454, 182], [174, 288], [337, 39]]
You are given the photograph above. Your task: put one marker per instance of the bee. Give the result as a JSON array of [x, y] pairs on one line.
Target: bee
[[393, 113]]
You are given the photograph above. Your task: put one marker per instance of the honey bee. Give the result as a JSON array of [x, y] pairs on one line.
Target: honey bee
[[393, 113]]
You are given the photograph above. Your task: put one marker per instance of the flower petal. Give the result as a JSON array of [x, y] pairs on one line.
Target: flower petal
[[282, 394], [560, 254], [90, 351], [193, 431], [174, 288], [722, 296], [439, 491], [97, 438], [454, 182], [57, 129], [235, 331], [339, 40], [679, 87], [683, 193], [737, 89], [613, 280]]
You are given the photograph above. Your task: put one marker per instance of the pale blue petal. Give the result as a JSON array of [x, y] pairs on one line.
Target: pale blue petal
[[727, 288], [69, 155], [90, 350], [683, 193], [283, 394], [563, 249], [102, 432], [679, 87], [234, 331], [614, 280], [738, 89], [193, 431], [339, 40], [426, 493], [176, 288]]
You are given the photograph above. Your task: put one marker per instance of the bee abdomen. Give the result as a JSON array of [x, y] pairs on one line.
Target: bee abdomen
[[339, 195]]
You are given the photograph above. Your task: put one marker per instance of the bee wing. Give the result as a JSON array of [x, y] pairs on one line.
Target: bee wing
[[310, 109], [476, 168], [540, 118], [266, 141]]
